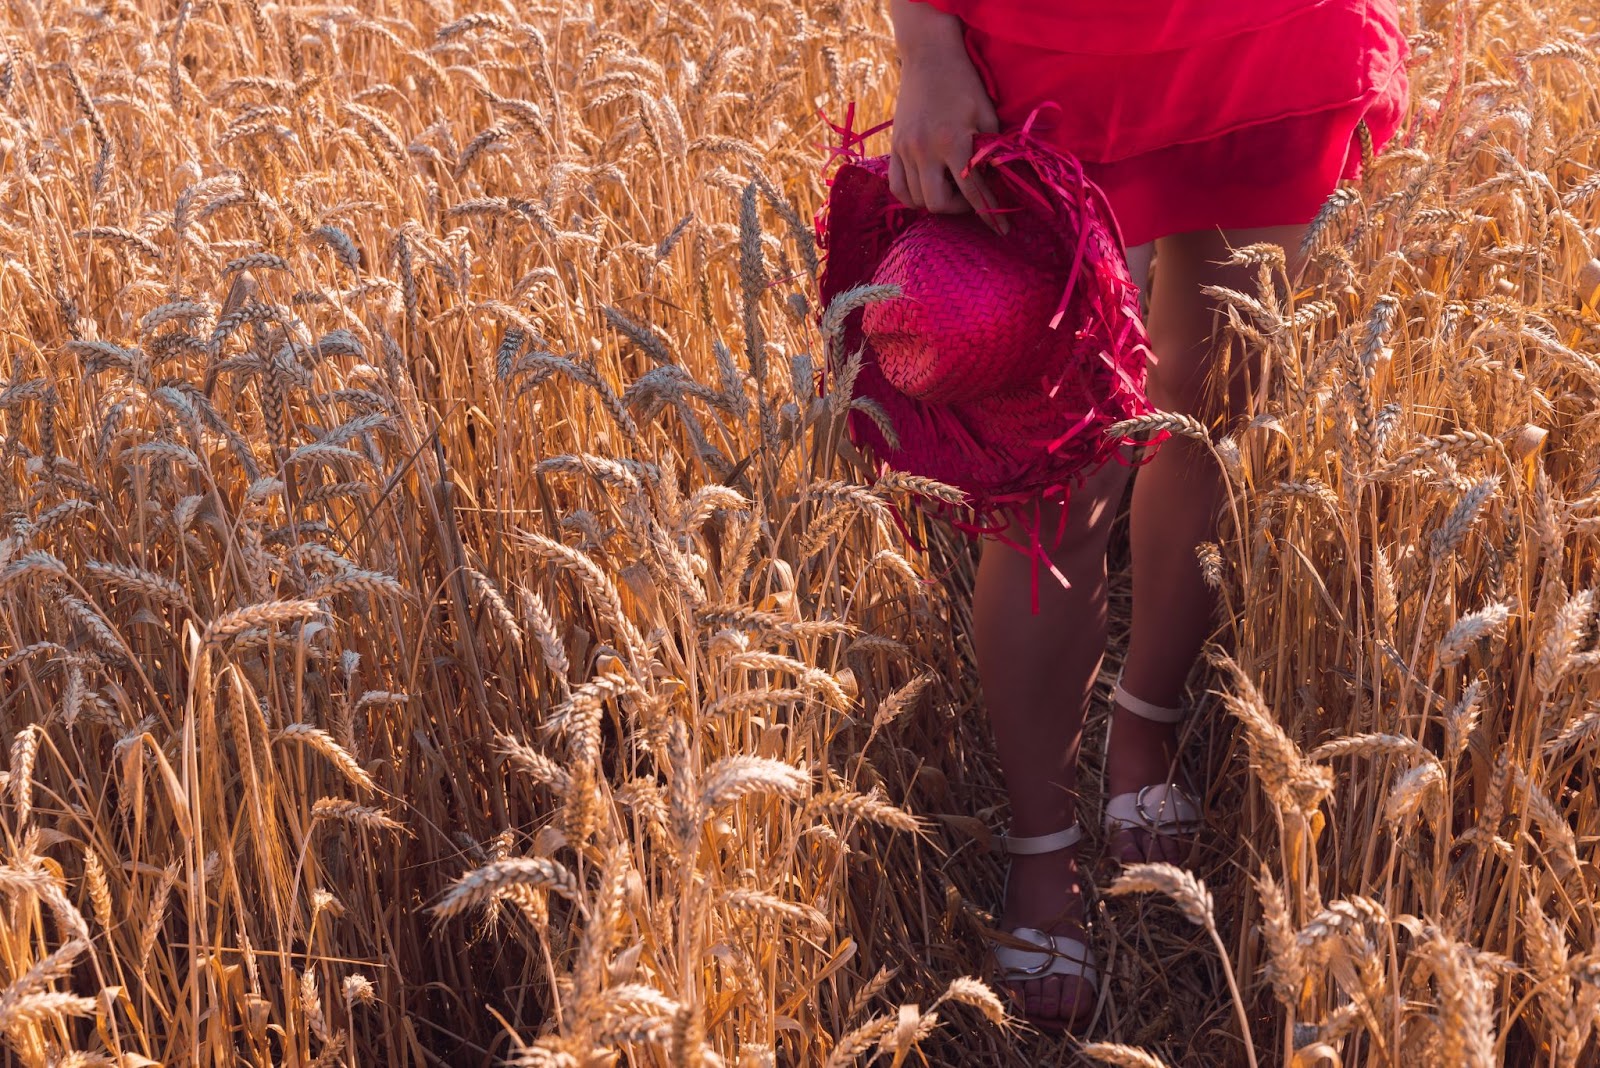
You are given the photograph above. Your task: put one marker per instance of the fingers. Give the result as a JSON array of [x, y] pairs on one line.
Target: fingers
[[982, 198], [988, 120], [939, 192], [940, 186], [898, 187], [942, 181], [973, 187], [904, 183], [918, 196]]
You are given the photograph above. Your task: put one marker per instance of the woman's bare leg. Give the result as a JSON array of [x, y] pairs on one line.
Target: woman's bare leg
[[1176, 499], [1037, 671]]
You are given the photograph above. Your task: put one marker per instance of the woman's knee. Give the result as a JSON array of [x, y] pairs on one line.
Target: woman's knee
[[1078, 538], [1181, 382], [1091, 511]]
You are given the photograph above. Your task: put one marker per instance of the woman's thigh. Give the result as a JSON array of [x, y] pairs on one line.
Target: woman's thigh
[[1185, 324], [1139, 260]]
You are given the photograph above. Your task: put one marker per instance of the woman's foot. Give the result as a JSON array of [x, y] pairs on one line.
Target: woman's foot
[[1149, 815], [1044, 895]]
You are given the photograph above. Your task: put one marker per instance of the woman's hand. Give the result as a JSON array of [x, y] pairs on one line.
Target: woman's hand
[[942, 104]]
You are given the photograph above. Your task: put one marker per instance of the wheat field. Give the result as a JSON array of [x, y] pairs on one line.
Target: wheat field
[[443, 623]]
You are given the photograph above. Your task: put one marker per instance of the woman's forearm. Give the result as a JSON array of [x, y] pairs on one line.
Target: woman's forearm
[[939, 107], [922, 30]]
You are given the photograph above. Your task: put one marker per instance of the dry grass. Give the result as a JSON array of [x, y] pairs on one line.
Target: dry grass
[[440, 623]]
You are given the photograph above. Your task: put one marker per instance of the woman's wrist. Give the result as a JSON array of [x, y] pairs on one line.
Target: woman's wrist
[[922, 32]]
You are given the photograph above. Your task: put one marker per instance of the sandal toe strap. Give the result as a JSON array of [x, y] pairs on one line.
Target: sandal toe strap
[[1056, 955], [1160, 808]]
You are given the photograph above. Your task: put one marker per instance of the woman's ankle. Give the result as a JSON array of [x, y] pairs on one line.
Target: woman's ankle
[[1162, 701], [1140, 751], [1045, 890]]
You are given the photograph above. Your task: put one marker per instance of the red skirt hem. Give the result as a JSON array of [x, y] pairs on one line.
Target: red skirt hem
[[1180, 142], [1278, 173]]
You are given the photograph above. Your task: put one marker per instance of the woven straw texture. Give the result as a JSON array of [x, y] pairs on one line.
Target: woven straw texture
[[973, 319]]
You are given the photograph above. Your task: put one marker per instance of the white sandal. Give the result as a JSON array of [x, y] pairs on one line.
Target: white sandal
[[1056, 954], [1163, 809]]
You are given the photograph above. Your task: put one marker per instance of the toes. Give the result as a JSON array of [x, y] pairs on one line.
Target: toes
[[1130, 846], [1172, 850], [1017, 993], [1033, 997], [1059, 1001], [1168, 848], [1137, 846], [1063, 1001], [1050, 1000], [1077, 1000]]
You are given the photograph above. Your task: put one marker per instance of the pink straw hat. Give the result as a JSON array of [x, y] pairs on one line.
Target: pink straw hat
[[1006, 357]]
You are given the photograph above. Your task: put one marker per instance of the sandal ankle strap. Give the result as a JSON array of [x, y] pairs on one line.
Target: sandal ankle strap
[[1144, 709], [1042, 843]]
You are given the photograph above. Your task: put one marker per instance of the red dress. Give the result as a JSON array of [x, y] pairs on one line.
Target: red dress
[[1197, 114]]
